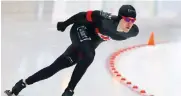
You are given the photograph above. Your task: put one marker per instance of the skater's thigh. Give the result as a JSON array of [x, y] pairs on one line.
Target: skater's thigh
[[86, 49], [77, 52], [72, 53]]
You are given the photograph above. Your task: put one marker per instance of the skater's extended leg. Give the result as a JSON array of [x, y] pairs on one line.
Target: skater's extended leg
[[64, 61], [60, 63], [67, 59]]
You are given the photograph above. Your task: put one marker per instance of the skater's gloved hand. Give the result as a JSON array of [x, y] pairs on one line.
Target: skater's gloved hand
[[61, 26]]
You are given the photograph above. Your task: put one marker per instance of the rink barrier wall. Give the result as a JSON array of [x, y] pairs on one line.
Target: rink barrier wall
[[120, 77]]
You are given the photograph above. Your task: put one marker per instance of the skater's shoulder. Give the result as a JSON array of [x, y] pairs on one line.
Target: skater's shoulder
[[135, 27]]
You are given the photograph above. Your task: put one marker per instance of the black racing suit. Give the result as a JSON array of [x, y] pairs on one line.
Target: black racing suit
[[88, 31]]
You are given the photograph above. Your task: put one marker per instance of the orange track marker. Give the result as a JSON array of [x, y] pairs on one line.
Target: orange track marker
[[151, 39]]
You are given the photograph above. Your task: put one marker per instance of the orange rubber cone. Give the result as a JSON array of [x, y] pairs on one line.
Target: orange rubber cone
[[151, 39]]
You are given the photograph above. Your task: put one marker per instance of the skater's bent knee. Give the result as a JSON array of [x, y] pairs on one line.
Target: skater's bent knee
[[89, 57]]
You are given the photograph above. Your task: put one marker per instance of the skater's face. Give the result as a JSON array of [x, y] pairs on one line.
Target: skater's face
[[126, 23]]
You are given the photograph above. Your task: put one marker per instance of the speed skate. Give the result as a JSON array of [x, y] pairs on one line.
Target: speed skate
[[9, 93]]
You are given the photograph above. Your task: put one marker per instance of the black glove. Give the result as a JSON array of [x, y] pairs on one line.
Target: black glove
[[61, 26]]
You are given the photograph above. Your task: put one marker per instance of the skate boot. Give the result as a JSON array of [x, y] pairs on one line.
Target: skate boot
[[16, 89], [68, 92]]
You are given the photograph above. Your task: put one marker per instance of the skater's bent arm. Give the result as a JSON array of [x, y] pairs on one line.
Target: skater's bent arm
[[76, 18], [97, 15], [90, 16]]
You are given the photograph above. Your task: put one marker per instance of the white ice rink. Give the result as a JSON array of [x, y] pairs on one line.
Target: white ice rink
[[30, 42]]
